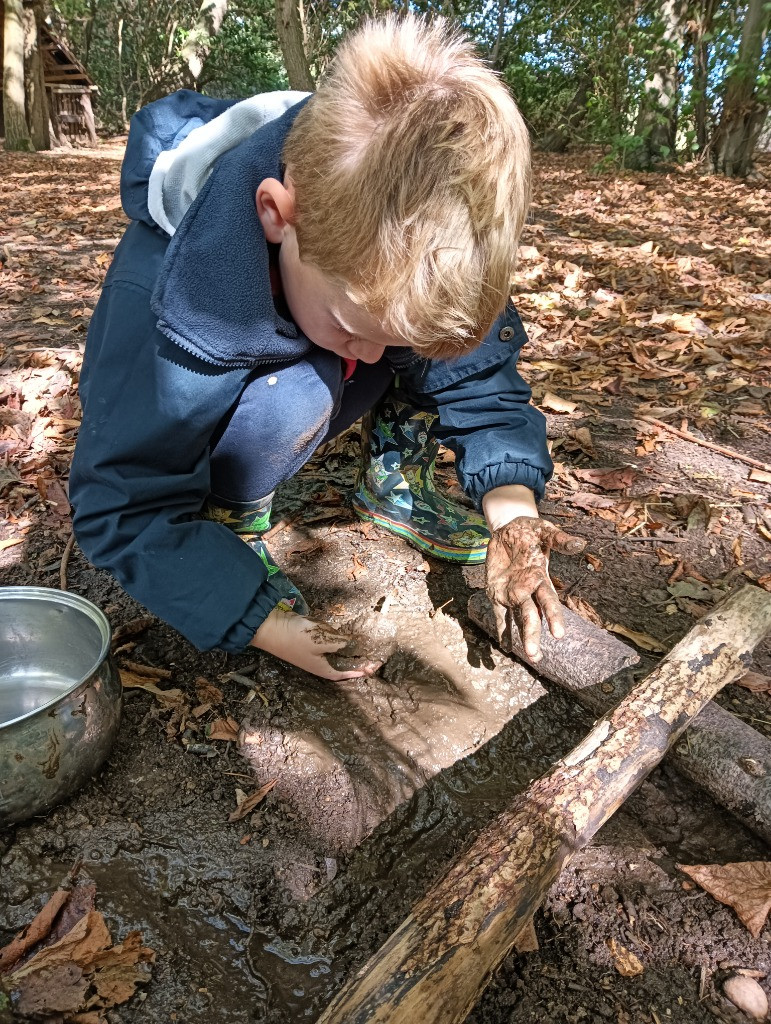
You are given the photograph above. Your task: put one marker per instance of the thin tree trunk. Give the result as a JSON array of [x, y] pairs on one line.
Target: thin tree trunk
[[290, 36], [701, 71], [743, 111], [198, 44], [16, 131], [558, 138], [34, 78], [436, 965], [657, 120], [496, 51], [123, 97]]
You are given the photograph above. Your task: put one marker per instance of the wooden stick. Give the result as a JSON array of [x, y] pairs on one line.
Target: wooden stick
[[728, 452], [723, 755], [65, 561], [436, 965], [40, 926]]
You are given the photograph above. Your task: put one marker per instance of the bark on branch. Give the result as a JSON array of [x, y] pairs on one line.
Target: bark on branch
[[435, 966], [723, 755]]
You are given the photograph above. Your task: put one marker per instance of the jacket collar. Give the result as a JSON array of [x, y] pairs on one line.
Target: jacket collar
[[213, 296]]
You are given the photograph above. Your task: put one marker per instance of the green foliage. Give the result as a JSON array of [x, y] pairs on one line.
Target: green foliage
[[550, 53]]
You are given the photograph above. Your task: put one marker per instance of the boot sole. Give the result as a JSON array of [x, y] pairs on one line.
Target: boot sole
[[445, 552]]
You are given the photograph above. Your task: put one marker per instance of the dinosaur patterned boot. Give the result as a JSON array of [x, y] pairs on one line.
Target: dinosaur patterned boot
[[395, 486], [250, 519]]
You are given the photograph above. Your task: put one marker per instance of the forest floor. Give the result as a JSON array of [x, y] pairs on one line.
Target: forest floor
[[646, 297]]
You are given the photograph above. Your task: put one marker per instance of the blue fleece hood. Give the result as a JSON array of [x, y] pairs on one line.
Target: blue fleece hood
[[213, 295]]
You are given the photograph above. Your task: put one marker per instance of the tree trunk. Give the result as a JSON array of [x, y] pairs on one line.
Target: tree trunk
[[723, 755], [16, 131], [290, 36], [436, 965], [704, 21], [743, 111], [558, 138], [657, 119], [197, 46], [34, 78]]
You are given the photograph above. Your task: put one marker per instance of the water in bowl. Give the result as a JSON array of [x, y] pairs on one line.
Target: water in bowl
[[20, 694]]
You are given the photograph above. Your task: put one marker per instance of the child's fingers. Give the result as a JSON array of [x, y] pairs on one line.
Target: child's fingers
[[552, 609], [530, 629]]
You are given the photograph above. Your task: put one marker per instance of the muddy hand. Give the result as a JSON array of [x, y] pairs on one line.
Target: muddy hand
[[310, 645], [518, 584]]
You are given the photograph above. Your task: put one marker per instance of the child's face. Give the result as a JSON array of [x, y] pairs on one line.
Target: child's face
[[323, 311]]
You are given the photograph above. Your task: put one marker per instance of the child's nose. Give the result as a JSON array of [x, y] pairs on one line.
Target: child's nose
[[366, 351]]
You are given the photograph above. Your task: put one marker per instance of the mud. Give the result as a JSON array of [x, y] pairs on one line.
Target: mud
[[263, 919]]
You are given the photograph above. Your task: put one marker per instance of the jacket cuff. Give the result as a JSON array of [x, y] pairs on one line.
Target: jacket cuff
[[501, 474], [241, 634]]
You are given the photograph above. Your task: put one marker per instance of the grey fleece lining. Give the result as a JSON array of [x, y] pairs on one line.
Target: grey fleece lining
[[178, 175]]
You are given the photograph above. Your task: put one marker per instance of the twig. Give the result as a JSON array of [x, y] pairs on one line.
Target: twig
[[436, 611], [65, 560], [280, 525], [707, 444], [40, 926], [148, 670]]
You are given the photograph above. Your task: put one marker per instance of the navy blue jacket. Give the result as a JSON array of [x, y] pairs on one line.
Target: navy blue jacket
[[180, 325]]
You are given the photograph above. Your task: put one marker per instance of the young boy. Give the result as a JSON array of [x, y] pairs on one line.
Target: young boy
[[291, 264]]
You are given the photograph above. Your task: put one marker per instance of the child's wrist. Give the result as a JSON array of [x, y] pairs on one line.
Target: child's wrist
[[502, 504]]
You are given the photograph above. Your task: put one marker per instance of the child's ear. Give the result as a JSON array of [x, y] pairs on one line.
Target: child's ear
[[275, 208]]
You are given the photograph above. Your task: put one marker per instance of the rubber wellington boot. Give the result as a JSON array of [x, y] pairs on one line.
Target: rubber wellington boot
[[250, 519], [395, 486]]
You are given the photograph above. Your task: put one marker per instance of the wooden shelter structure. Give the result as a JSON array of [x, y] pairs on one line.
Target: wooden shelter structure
[[68, 87]]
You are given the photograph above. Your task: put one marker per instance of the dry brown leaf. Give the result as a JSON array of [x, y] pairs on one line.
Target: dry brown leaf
[[249, 803], [594, 561], [584, 609], [625, 961], [644, 640], [207, 692], [52, 990], [358, 569], [609, 479], [170, 698], [745, 886], [755, 682], [10, 542], [557, 404], [760, 476], [223, 729], [527, 940]]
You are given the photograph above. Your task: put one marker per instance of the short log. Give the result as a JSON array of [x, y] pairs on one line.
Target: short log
[[435, 966], [723, 755]]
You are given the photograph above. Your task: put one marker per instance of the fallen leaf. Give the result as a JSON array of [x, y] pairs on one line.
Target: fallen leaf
[[250, 802], [526, 940], [131, 681], [745, 886], [760, 476], [10, 542], [594, 561], [755, 682], [584, 609], [625, 961], [609, 479], [694, 590], [644, 640], [223, 729], [207, 692], [358, 569], [557, 404], [736, 550]]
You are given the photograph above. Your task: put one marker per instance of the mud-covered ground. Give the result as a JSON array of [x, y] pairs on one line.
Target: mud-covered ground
[[265, 917]]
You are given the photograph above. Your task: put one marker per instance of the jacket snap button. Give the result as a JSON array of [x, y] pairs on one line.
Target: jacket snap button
[[506, 333]]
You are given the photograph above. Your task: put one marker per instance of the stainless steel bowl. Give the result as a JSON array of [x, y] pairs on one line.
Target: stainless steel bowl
[[60, 698]]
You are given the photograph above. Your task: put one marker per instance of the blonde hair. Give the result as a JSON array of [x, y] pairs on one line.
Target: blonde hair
[[411, 168]]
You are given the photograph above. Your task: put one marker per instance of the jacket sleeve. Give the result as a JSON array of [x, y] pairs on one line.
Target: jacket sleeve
[[484, 412], [140, 474]]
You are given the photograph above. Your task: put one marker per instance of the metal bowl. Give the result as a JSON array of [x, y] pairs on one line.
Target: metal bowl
[[60, 698]]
